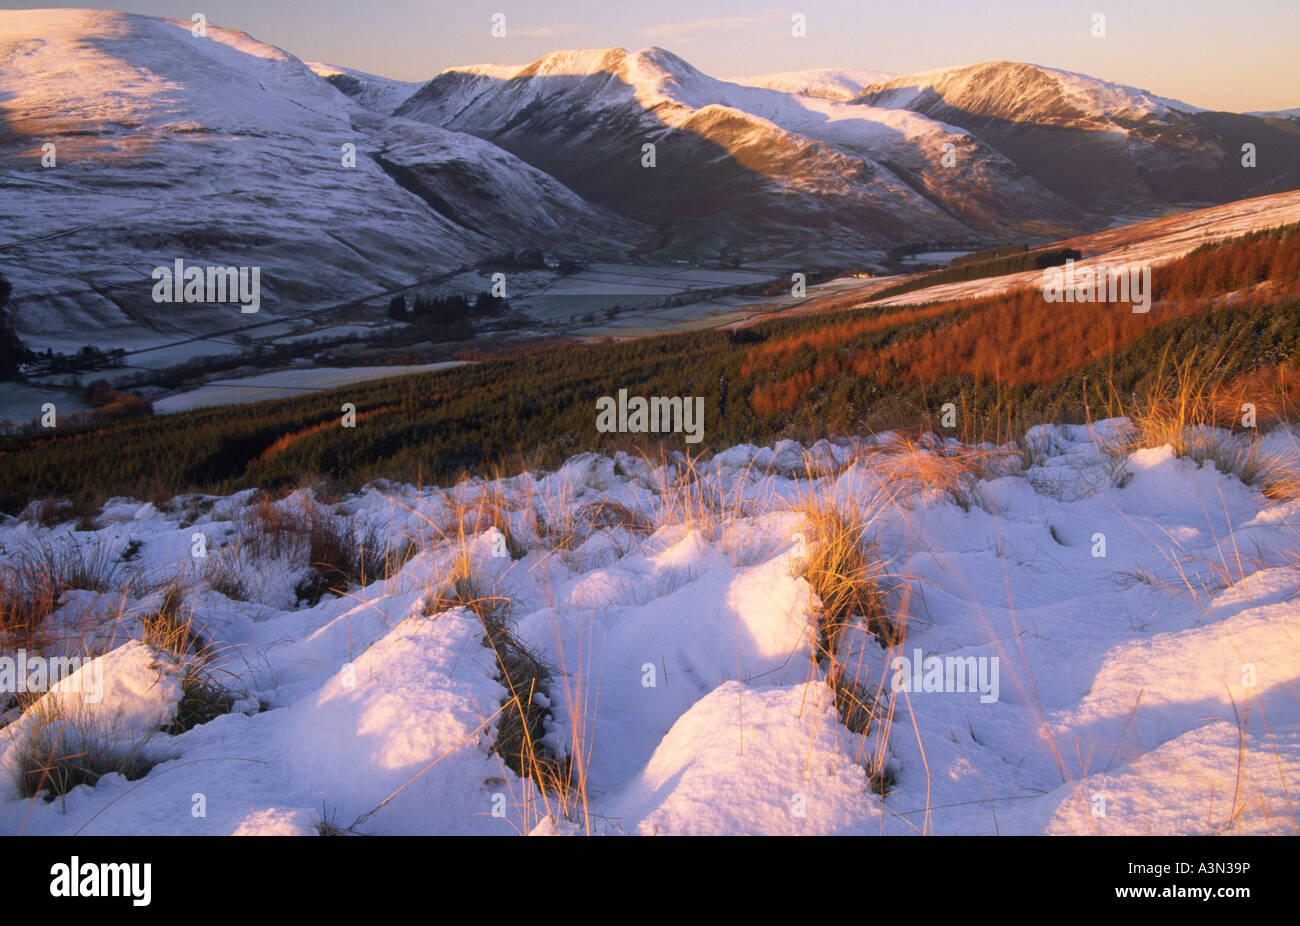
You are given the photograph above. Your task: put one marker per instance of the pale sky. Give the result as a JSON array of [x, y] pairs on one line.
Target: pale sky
[[1238, 56]]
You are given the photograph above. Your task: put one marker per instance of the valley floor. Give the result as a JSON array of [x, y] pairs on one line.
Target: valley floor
[[1143, 612]]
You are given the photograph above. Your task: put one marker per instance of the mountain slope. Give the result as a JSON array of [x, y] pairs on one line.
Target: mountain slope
[[369, 91], [685, 676], [838, 84], [224, 150], [1102, 146], [741, 170]]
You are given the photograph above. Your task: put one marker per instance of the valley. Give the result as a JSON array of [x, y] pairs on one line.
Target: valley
[[592, 445]]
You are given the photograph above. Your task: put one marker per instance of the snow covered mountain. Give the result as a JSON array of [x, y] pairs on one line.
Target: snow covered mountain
[[832, 158], [1025, 93], [740, 170], [1102, 146], [370, 91], [828, 83], [218, 149], [1292, 114], [129, 142]]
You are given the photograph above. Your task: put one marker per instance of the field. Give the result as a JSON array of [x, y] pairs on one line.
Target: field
[[989, 565], [646, 645], [1006, 363], [282, 384]]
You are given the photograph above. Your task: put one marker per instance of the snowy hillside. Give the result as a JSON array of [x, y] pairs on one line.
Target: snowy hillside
[[223, 150], [1148, 243], [829, 83], [370, 91], [1025, 93], [831, 158], [1101, 145], [736, 158], [1278, 114], [1134, 618], [129, 142]]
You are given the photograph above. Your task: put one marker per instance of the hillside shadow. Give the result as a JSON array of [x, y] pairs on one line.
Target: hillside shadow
[[1098, 170], [10, 137], [715, 182]]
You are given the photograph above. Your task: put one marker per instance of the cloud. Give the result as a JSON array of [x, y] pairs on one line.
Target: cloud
[[693, 29]]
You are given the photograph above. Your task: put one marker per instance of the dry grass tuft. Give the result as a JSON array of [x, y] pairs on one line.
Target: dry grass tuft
[[845, 574], [170, 628], [489, 510], [1191, 408], [300, 529], [31, 585], [48, 512], [464, 588], [1177, 406], [701, 500], [912, 466], [60, 752], [883, 779], [605, 515], [855, 705], [521, 723], [222, 574]]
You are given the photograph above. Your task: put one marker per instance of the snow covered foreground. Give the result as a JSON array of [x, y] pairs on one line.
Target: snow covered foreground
[[1152, 690]]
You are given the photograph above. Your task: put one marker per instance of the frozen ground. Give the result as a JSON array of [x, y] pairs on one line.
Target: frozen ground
[[1133, 246], [284, 383], [1155, 689], [708, 313], [20, 402]]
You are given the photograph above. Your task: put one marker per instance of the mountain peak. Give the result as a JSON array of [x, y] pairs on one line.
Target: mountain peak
[[577, 62], [662, 57], [1022, 92]]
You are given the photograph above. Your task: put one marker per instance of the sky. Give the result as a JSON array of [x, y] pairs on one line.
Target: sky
[[1237, 56]]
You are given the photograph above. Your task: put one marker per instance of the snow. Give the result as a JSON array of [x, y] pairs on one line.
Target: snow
[[1278, 114], [417, 696], [654, 77], [1088, 95], [841, 84], [747, 762], [20, 402], [496, 71], [1100, 97], [1149, 690], [375, 93], [118, 698], [1129, 246], [225, 151], [849, 153], [285, 383]]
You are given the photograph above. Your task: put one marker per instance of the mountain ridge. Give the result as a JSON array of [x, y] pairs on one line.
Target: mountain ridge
[[229, 151], [870, 173]]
